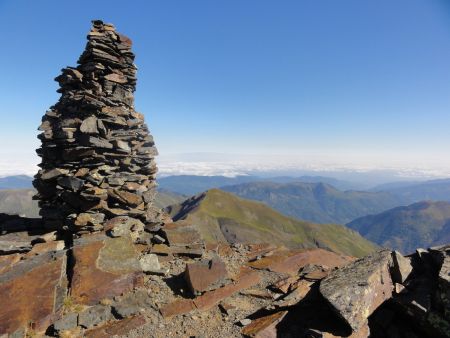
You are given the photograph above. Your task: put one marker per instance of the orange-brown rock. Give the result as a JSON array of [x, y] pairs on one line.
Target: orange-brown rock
[[293, 263], [7, 261], [182, 233], [260, 249], [284, 285], [117, 328], [211, 298], [201, 275], [104, 267], [40, 248], [32, 291], [298, 291], [194, 250], [264, 327], [317, 274], [258, 293], [177, 307]]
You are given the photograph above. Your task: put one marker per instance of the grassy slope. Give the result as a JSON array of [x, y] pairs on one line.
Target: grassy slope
[[221, 216], [420, 224]]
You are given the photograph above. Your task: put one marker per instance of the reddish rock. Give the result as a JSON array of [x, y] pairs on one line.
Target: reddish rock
[[177, 307], [224, 250], [182, 233], [117, 328], [284, 284], [258, 250], [104, 267], [226, 307], [298, 291], [257, 293], [40, 248], [201, 275], [266, 262], [293, 263], [7, 261], [211, 298], [32, 291], [316, 274], [195, 250], [264, 327]]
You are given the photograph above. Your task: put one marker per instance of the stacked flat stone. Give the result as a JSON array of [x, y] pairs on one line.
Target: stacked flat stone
[[97, 152]]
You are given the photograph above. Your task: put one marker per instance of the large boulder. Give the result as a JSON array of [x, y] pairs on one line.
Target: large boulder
[[356, 290]]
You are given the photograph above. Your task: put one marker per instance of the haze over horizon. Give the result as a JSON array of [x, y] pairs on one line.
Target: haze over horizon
[[233, 87]]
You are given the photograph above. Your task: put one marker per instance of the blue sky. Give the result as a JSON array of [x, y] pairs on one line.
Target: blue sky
[[364, 81]]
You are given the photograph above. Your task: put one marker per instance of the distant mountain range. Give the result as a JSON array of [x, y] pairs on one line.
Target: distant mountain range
[[422, 224], [409, 192], [221, 216], [191, 185], [16, 182], [316, 202], [436, 190]]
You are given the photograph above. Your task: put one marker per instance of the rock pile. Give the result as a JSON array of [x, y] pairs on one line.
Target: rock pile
[[109, 283], [97, 152]]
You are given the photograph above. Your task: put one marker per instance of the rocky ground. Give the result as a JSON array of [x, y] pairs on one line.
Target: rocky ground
[[134, 281]]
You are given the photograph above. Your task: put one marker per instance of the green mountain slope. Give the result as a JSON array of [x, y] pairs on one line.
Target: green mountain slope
[[316, 202], [19, 201], [420, 224], [222, 216]]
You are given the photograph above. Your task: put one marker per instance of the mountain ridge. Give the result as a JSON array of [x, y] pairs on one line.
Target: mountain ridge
[[421, 224], [222, 216], [316, 202]]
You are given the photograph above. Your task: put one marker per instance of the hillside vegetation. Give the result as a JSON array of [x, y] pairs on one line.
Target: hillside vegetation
[[221, 216], [422, 224]]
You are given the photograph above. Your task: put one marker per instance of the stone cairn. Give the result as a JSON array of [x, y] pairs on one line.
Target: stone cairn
[[97, 152]]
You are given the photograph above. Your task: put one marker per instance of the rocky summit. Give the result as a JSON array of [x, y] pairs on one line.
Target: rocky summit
[[103, 262], [97, 153]]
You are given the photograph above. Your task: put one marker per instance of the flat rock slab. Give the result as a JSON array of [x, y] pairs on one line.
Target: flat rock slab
[[117, 328], [201, 275], [314, 257], [291, 261], [264, 327], [177, 307], [33, 290], [356, 290], [210, 298], [182, 233], [104, 267]]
